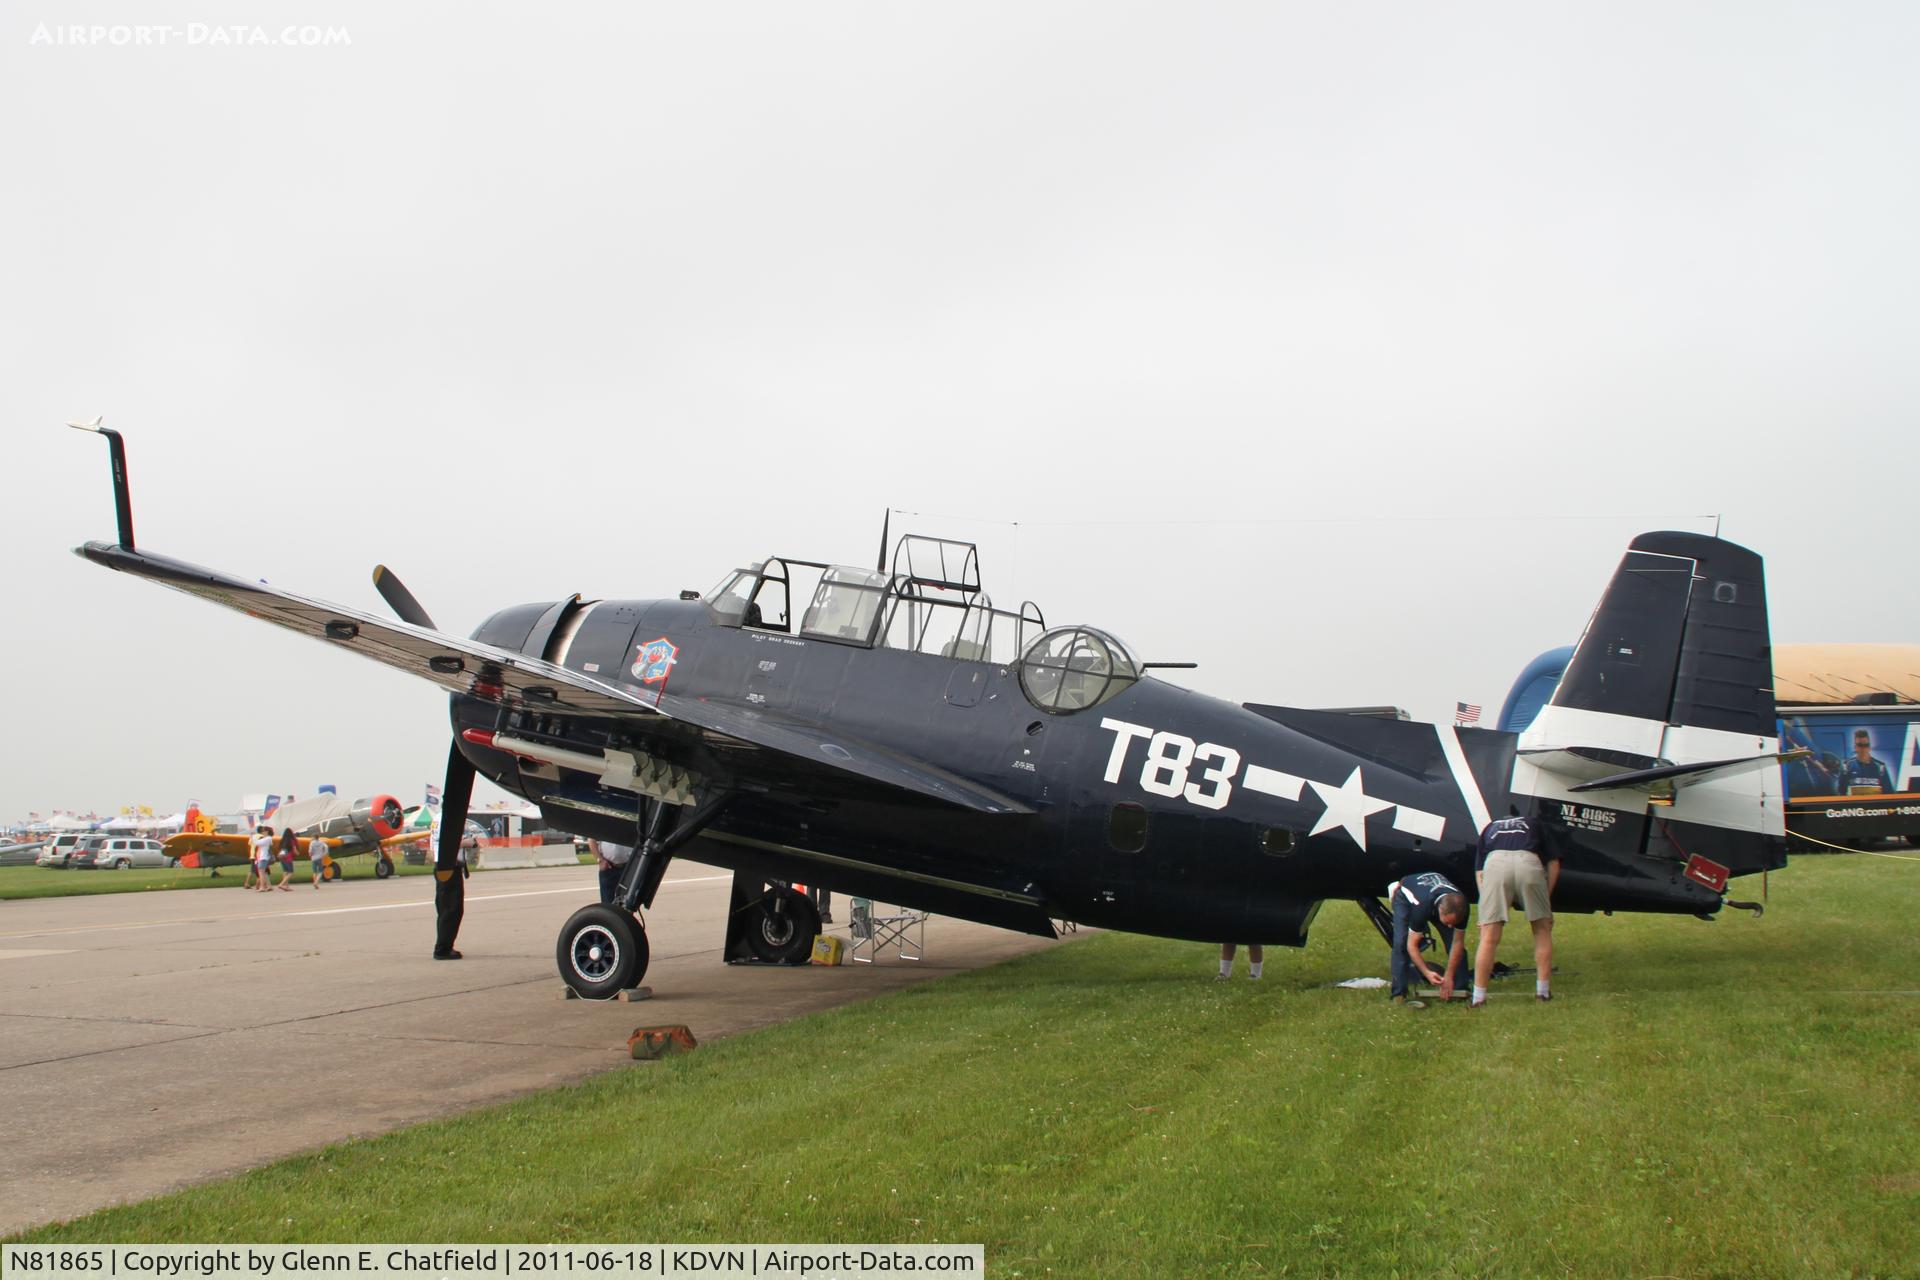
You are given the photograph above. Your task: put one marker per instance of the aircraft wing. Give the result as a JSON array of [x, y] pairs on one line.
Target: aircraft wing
[[192, 849], [477, 670]]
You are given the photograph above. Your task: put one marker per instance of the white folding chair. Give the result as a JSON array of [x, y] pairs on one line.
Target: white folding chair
[[873, 931]]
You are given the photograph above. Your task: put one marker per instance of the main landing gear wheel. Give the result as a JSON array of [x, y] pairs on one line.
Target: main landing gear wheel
[[783, 926], [602, 951], [383, 868], [331, 871]]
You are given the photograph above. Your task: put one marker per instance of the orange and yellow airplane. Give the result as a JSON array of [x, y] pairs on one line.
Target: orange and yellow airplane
[[376, 824]]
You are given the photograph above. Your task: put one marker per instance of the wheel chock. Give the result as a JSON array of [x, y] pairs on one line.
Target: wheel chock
[[631, 995]]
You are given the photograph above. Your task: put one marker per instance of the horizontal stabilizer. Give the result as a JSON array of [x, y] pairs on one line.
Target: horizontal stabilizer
[[1681, 774], [1588, 764]]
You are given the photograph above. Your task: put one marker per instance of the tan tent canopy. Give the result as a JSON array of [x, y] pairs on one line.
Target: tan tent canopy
[[1838, 673]]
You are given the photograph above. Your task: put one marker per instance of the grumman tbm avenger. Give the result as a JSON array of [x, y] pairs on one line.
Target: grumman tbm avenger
[[890, 733]]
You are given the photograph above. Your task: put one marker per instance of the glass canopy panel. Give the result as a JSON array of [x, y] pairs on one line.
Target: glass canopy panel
[[846, 605], [1073, 668]]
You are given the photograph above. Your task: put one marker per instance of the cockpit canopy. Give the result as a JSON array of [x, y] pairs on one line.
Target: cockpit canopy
[[846, 605], [847, 602], [1072, 668], [929, 602]]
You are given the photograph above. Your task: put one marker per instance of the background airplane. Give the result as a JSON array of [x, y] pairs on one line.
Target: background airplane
[[374, 824]]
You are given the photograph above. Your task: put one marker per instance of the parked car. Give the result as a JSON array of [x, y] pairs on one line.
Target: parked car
[[58, 851], [83, 853], [122, 852]]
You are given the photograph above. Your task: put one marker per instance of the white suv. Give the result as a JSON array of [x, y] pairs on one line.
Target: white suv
[[57, 850], [122, 852]]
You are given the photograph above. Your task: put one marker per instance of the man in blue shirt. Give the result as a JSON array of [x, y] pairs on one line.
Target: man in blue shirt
[[1428, 898], [1863, 775], [1514, 867]]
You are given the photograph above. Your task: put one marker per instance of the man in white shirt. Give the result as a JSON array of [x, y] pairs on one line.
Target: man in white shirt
[[613, 859], [317, 858], [262, 848]]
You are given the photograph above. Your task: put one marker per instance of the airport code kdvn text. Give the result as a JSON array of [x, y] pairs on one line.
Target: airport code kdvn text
[[375, 1262]]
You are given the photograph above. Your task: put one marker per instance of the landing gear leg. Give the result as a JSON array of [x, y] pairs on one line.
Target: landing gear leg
[[590, 931]]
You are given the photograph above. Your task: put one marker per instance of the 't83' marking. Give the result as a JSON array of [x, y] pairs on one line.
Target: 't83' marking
[[1169, 766]]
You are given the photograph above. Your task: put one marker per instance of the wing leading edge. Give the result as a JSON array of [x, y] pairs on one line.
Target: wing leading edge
[[472, 669]]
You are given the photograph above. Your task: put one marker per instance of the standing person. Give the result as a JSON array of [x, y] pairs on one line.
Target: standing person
[[1428, 898], [1515, 868], [612, 860], [449, 901], [1256, 956], [262, 854], [317, 859], [289, 845]]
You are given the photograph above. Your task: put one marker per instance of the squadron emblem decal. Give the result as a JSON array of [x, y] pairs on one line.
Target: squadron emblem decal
[[654, 660]]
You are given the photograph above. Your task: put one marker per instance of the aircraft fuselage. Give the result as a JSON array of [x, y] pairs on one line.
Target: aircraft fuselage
[[1160, 811]]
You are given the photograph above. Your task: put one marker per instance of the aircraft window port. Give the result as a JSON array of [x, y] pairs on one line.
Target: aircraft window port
[[1073, 668], [1127, 828], [1277, 841]]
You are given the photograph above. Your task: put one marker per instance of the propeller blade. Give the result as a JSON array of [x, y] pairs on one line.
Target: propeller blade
[[455, 796], [399, 599]]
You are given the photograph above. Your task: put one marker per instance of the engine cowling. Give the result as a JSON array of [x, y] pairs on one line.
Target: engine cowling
[[383, 813]]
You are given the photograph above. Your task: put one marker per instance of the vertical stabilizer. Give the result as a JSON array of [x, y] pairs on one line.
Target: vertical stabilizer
[[1675, 668]]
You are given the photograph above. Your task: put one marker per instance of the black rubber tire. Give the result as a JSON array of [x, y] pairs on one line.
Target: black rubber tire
[[601, 952], [332, 871], [383, 868], [782, 927]]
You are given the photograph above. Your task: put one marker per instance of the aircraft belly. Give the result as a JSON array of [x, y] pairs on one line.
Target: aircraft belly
[[920, 891]]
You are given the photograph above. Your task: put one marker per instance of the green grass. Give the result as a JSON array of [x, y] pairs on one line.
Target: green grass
[[1735, 1099], [50, 882]]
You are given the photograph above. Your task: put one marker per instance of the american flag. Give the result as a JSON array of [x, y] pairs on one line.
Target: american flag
[[433, 796], [1465, 713]]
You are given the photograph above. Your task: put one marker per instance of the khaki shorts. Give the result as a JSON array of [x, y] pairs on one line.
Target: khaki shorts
[[1513, 876]]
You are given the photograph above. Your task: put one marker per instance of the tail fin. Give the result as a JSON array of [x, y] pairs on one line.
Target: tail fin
[[1665, 716]]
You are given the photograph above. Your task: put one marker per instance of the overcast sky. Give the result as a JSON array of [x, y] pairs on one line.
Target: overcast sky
[[1338, 348]]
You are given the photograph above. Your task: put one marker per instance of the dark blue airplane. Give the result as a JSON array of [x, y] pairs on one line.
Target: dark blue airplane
[[891, 734]]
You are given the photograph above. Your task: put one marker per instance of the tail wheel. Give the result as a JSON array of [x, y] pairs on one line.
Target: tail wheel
[[785, 922], [383, 868], [602, 951]]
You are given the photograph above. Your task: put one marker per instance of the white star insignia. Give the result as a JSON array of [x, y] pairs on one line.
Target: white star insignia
[[1348, 806]]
